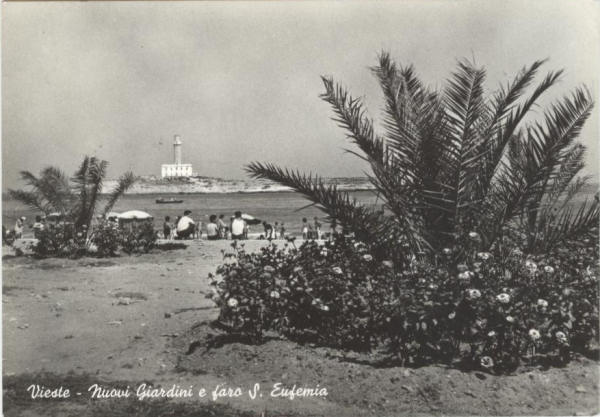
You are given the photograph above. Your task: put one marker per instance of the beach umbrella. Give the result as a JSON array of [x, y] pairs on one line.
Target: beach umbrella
[[250, 219], [135, 215], [54, 216]]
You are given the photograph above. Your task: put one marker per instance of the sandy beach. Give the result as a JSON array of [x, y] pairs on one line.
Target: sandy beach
[[146, 319]]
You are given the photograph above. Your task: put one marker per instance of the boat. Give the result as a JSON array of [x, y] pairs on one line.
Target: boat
[[168, 201]]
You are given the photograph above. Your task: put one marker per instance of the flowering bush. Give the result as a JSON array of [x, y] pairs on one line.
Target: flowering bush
[[65, 241], [107, 239], [490, 311], [138, 238], [60, 241]]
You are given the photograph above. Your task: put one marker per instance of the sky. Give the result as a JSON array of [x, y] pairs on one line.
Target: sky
[[240, 81]]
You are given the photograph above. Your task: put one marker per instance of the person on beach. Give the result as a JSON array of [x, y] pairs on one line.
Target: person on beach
[[317, 232], [38, 226], [186, 226], [306, 229], [19, 226], [238, 226], [282, 231], [268, 230], [275, 230], [167, 228], [212, 228], [222, 227], [198, 230], [333, 227]]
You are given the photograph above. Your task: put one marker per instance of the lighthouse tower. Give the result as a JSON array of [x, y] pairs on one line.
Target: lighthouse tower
[[177, 150], [177, 168]]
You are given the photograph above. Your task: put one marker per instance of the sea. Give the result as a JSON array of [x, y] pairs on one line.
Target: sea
[[283, 207]]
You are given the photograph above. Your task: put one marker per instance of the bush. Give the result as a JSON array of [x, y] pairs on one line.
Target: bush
[[490, 312], [138, 238], [107, 239], [65, 241], [60, 241]]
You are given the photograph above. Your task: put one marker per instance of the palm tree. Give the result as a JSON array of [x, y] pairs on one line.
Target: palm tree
[[75, 198], [454, 161]]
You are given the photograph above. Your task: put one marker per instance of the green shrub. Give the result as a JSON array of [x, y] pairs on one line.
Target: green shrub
[[491, 311], [107, 239], [138, 238], [61, 241]]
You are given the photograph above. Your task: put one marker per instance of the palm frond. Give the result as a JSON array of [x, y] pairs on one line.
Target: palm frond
[[124, 183], [511, 120], [337, 205], [464, 104], [351, 116], [569, 224], [30, 199]]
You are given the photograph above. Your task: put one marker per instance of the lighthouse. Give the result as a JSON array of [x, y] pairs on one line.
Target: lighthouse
[[177, 169], [177, 150]]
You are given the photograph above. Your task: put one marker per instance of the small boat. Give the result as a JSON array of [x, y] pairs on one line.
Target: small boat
[[168, 201]]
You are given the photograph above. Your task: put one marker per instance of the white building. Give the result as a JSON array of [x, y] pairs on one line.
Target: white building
[[176, 169]]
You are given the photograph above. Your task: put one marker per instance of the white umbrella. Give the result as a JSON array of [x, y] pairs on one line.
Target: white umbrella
[[250, 219], [135, 215], [54, 216]]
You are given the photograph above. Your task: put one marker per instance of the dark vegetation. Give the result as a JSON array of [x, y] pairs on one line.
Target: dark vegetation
[[478, 258]]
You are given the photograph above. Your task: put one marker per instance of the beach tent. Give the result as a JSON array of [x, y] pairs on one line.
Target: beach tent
[[133, 215]]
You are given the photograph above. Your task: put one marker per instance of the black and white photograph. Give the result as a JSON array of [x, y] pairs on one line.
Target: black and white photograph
[[300, 208]]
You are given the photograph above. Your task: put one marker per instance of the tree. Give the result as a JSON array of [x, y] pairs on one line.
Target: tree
[[75, 198], [454, 161]]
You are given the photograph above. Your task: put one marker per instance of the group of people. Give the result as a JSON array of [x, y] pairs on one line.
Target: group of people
[[275, 231], [311, 231], [184, 227]]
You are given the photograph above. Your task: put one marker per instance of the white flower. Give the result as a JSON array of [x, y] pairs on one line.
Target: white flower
[[534, 334], [367, 257], [542, 303], [446, 251], [324, 252], [432, 286], [451, 315], [232, 302], [474, 235], [530, 265], [269, 268], [464, 276], [473, 294], [487, 362], [516, 252], [337, 270], [462, 268], [388, 264], [548, 269], [492, 334], [503, 298], [484, 255], [567, 291], [510, 319], [325, 308], [561, 337], [274, 294]]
